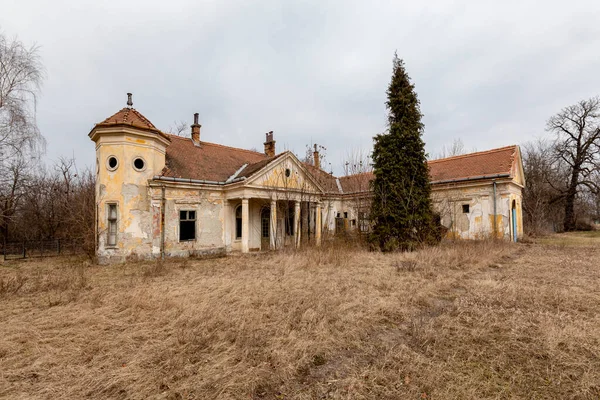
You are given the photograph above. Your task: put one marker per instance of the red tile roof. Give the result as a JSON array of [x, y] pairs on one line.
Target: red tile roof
[[326, 180], [131, 117], [482, 165], [208, 161], [356, 183]]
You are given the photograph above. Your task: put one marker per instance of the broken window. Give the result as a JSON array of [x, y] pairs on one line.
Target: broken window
[[111, 240], [238, 222], [364, 223], [465, 208], [187, 225]]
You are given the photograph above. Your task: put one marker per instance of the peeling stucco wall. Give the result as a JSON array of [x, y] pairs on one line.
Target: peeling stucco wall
[[478, 222], [210, 217], [128, 189]]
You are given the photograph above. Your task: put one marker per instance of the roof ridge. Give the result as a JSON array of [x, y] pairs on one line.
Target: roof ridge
[[358, 174], [218, 145], [472, 154]]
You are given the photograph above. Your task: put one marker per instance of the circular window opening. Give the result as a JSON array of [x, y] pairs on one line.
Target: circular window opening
[[139, 164], [287, 172], [112, 163]]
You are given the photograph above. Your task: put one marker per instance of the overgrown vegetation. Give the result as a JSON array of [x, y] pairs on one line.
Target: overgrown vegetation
[[401, 211], [463, 320], [36, 202]]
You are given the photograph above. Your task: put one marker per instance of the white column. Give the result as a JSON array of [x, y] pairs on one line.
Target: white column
[[318, 227], [330, 223], [297, 233], [245, 226], [273, 226]]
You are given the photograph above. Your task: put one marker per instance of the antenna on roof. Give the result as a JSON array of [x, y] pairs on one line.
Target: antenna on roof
[[129, 100]]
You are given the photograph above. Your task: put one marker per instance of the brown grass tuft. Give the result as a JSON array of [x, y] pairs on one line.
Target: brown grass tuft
[[466, 320]]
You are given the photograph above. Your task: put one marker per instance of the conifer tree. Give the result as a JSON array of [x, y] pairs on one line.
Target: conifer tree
[[401, 211]]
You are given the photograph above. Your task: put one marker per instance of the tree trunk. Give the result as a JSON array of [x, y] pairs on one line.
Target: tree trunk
[[569, 222]]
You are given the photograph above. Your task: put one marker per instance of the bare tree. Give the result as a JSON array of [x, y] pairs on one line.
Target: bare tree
[[358, 171], [21, 76], [178, 128], [13, 180], [577, 131], [309, 155], [546, 177], [457, 148]]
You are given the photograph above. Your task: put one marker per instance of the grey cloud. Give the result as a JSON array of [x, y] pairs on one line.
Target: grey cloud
[[316, 71]]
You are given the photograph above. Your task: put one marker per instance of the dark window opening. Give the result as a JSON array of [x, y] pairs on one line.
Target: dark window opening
[[112, 163], [338, 215], [187, 225], [289, 222], [138, 163], [265, 220], [112, 225], [345, 215], [238, 222], [465, 208], [353, 222], [287, 172]]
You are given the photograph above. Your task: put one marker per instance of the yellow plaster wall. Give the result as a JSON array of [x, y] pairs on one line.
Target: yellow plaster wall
[[479, 222], [275, 178], [128, 188]]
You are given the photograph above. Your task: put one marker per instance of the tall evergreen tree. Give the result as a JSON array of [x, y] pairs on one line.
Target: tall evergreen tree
[[401, 208]]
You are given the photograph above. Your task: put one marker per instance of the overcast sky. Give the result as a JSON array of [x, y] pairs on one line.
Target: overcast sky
[[487, 72]]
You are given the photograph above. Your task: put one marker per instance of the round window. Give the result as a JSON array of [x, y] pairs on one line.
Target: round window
[[287, 172], [139, 164], [112, 163]]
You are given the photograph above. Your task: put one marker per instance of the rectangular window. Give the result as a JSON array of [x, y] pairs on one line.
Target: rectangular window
[[345, 215], [187, 225], [363, 221], [111, 239], [465, 208], [238, 222]]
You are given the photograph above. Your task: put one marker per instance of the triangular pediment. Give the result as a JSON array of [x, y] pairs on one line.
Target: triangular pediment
[[285, 172]]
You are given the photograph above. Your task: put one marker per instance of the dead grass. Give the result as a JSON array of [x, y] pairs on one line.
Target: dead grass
[[464, 320]]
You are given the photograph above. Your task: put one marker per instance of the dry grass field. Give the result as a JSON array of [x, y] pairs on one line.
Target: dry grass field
[[462, 321]]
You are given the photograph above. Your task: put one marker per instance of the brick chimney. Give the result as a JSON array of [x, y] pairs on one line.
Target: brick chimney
[[196, 130], [270, 145], [316, 158]]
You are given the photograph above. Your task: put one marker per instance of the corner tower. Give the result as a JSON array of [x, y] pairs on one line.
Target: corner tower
[[130, 150]]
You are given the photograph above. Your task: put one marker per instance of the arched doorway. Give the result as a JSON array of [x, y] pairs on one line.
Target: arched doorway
[[265, 227], [514, 220]]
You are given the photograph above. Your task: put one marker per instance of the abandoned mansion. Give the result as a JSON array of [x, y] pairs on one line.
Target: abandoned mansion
[[160, 194]]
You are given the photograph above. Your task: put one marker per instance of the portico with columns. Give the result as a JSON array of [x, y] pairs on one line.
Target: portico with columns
[[279, 206]]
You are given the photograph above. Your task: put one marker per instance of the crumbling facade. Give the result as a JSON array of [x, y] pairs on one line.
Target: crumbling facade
[[160, 195]]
